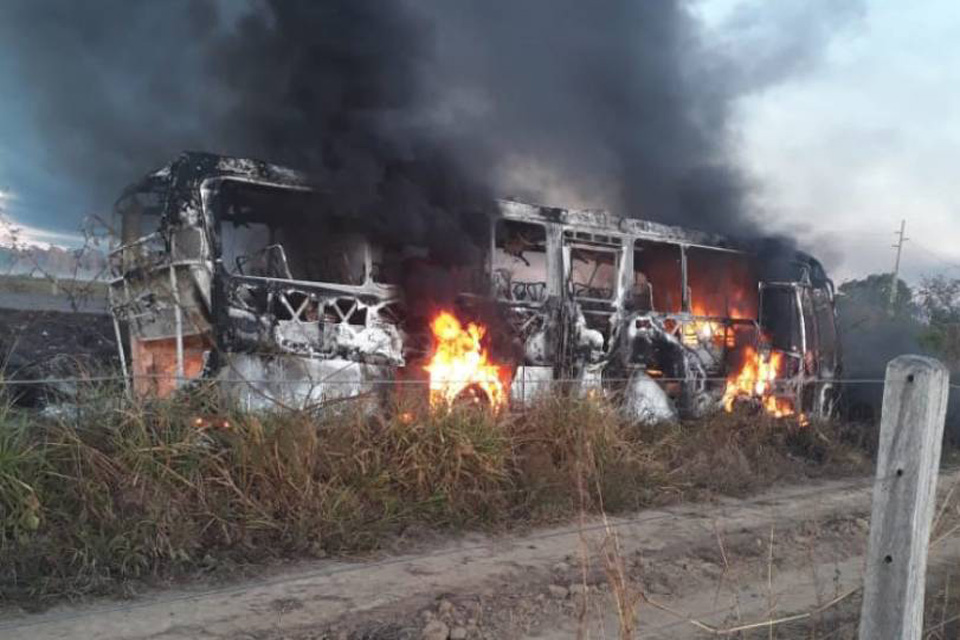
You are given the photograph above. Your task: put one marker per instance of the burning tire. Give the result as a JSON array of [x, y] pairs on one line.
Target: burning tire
[[460, 368], [473, 396]]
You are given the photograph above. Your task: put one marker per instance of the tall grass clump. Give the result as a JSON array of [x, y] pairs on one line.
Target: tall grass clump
[[19, 459], [112, 489]]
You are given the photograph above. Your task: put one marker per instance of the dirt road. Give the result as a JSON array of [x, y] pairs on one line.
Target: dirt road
[[707, 561]]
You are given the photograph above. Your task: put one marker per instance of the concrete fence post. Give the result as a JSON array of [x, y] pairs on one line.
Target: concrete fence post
[[911, 430]]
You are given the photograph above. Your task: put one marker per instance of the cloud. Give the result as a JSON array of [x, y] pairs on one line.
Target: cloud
[[620, 104], [871, 138], [763, 43], [16, 234]]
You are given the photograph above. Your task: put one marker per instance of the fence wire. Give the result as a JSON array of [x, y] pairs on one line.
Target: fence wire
[[397, 382]]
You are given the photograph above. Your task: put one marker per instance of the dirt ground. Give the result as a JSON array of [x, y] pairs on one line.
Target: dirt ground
[[41, 344], [687, 570], [35, 337]]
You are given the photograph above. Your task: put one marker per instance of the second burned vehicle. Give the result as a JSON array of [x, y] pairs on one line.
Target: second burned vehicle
[[238, 271]]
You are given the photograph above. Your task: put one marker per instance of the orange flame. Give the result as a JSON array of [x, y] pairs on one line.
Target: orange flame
[[756, 380], [703, 330], [459, 363]]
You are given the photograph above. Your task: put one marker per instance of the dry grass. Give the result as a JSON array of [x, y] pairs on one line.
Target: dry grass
[[114, 490]]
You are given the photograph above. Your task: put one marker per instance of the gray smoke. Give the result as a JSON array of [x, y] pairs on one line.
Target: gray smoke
[[109, 88], [594, 104], [412, 112]]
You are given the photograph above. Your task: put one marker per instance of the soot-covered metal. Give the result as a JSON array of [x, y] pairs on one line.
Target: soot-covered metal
[[239, 271]]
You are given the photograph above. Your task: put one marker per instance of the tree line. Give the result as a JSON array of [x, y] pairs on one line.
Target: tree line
[[924, 318]]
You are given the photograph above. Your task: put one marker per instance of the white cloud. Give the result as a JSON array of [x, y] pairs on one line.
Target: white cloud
[[14, 233], [871, 136], [5, 197]]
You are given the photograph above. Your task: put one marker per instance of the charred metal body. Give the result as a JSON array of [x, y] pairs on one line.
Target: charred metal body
[[225, 273], [661, 314]]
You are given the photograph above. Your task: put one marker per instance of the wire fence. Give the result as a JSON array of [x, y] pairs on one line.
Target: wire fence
[[856, 400], [398, 381], [677, 398]]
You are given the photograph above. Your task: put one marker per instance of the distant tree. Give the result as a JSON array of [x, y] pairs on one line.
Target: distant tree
[[924, 321], [867, 301], [939, 299], [871, 335]]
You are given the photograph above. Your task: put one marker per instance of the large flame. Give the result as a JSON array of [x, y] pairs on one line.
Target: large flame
[[756, 380], [459, 363]]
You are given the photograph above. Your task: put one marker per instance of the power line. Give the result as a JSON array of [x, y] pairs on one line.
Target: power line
[[935, 256]]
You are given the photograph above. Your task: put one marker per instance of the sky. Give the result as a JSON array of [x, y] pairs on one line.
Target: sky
[[868, 137], [838, 151]]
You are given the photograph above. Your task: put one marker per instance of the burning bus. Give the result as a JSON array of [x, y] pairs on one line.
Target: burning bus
[[225, 274]]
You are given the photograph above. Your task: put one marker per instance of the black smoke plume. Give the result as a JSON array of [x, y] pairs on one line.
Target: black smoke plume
[[414, 113]]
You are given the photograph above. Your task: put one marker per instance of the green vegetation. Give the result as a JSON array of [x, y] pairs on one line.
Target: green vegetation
[[939, 300], [922, 319], [115, 491]]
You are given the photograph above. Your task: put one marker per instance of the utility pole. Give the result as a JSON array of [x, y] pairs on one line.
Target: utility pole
[[895, 277]]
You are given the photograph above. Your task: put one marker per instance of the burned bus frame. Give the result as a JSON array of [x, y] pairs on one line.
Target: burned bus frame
[[593, 300], [667, 349]]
